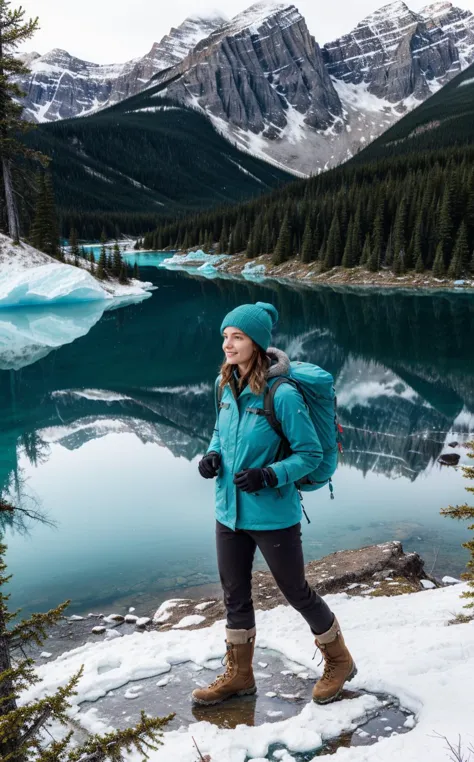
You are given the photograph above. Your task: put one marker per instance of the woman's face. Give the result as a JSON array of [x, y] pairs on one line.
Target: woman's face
[[238, 347]]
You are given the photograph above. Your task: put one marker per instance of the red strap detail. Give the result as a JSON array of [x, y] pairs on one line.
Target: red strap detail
[[340, 428]]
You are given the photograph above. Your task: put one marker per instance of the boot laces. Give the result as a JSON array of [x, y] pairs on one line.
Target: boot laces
[[228, 663], [329, 665]]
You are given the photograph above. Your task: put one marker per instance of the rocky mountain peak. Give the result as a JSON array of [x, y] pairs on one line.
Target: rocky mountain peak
[[397, 53], [262, 72], [54, 91]]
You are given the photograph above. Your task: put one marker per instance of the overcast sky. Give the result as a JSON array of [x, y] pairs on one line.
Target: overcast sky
[[109, 31]]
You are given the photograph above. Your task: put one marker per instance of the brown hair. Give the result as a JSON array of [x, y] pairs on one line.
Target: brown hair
[[256, 376]]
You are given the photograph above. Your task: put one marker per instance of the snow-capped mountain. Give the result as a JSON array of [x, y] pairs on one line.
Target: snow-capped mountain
[[396, 53], [61, 86], [267, 86]]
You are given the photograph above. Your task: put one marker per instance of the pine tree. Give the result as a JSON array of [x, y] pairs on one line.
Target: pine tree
[[375, 258], [438, 264], [348, 256], [14, 31], [44, 231], [123, 277], [466, 512], [417, 250], [366, 251], [283, 249], [224, 239], [102, 265], [266, 244], [334, 245], [231, 247], [308, 250], [22, 723], [445, 224], [136, 271], [117, 260], [398, 266], [419, 264], [400, 237], [460, 256]]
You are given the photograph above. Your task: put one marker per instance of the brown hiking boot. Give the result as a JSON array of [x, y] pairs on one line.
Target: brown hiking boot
[[339, 666], [238, 679]]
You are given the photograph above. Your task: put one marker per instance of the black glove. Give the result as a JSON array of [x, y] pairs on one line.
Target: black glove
[[255, 479], [209, 466]]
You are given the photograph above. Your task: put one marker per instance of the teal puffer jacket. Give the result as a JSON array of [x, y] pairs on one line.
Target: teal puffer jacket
[[245, 439]]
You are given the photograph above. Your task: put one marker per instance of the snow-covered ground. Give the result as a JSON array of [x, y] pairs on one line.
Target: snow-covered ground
[[403, 646], [28, 277]]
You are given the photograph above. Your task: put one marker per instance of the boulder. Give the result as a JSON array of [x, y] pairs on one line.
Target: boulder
[[449, 459]]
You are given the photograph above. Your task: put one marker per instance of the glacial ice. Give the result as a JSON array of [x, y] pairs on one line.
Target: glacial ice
[[50, 284]]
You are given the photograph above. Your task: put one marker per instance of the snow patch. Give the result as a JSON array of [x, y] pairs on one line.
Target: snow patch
[[412, 655]]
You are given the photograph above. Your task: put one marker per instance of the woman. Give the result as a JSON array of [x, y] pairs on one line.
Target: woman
[[258, 505]]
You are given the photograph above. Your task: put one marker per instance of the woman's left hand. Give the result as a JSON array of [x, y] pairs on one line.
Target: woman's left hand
[[255, 479]]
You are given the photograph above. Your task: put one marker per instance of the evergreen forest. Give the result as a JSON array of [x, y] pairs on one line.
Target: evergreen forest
[[406, 202]]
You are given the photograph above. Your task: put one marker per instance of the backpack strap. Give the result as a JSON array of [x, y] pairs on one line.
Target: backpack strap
[[269, 404]]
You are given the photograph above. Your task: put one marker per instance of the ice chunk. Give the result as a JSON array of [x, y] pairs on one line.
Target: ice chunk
[[164, 613], [189, 621], [207, 268], [204, 605], [451, 580], [428, 584], [254, 271], [50, 284], [112, 634]]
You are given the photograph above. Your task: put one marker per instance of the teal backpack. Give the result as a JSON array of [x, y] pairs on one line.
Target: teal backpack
[[317, 388]]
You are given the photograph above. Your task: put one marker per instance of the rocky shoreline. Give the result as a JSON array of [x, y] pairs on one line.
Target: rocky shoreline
[[377, 570], [295, 270]]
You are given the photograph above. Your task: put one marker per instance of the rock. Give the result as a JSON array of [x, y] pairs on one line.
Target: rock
[[453, 444], [449, 459], [45, 655], [143, 621], [131, 619], [98, 630], [114, 618]]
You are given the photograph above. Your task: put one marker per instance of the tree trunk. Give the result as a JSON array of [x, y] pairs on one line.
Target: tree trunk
[[12, 211]]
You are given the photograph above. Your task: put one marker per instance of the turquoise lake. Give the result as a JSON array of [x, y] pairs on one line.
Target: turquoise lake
[[104, 416]]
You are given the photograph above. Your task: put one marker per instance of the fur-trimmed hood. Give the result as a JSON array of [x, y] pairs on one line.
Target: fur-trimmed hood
[[279, 363]]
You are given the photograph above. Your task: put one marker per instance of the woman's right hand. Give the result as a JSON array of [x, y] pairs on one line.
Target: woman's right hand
[[209, 466]]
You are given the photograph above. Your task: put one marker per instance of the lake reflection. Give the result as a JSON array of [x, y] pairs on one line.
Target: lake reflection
[[105, 434]]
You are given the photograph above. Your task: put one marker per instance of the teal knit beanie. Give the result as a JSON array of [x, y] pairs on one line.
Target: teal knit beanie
[[256, 320]]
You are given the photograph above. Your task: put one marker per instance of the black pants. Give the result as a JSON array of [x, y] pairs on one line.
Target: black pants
[[283, 552]]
